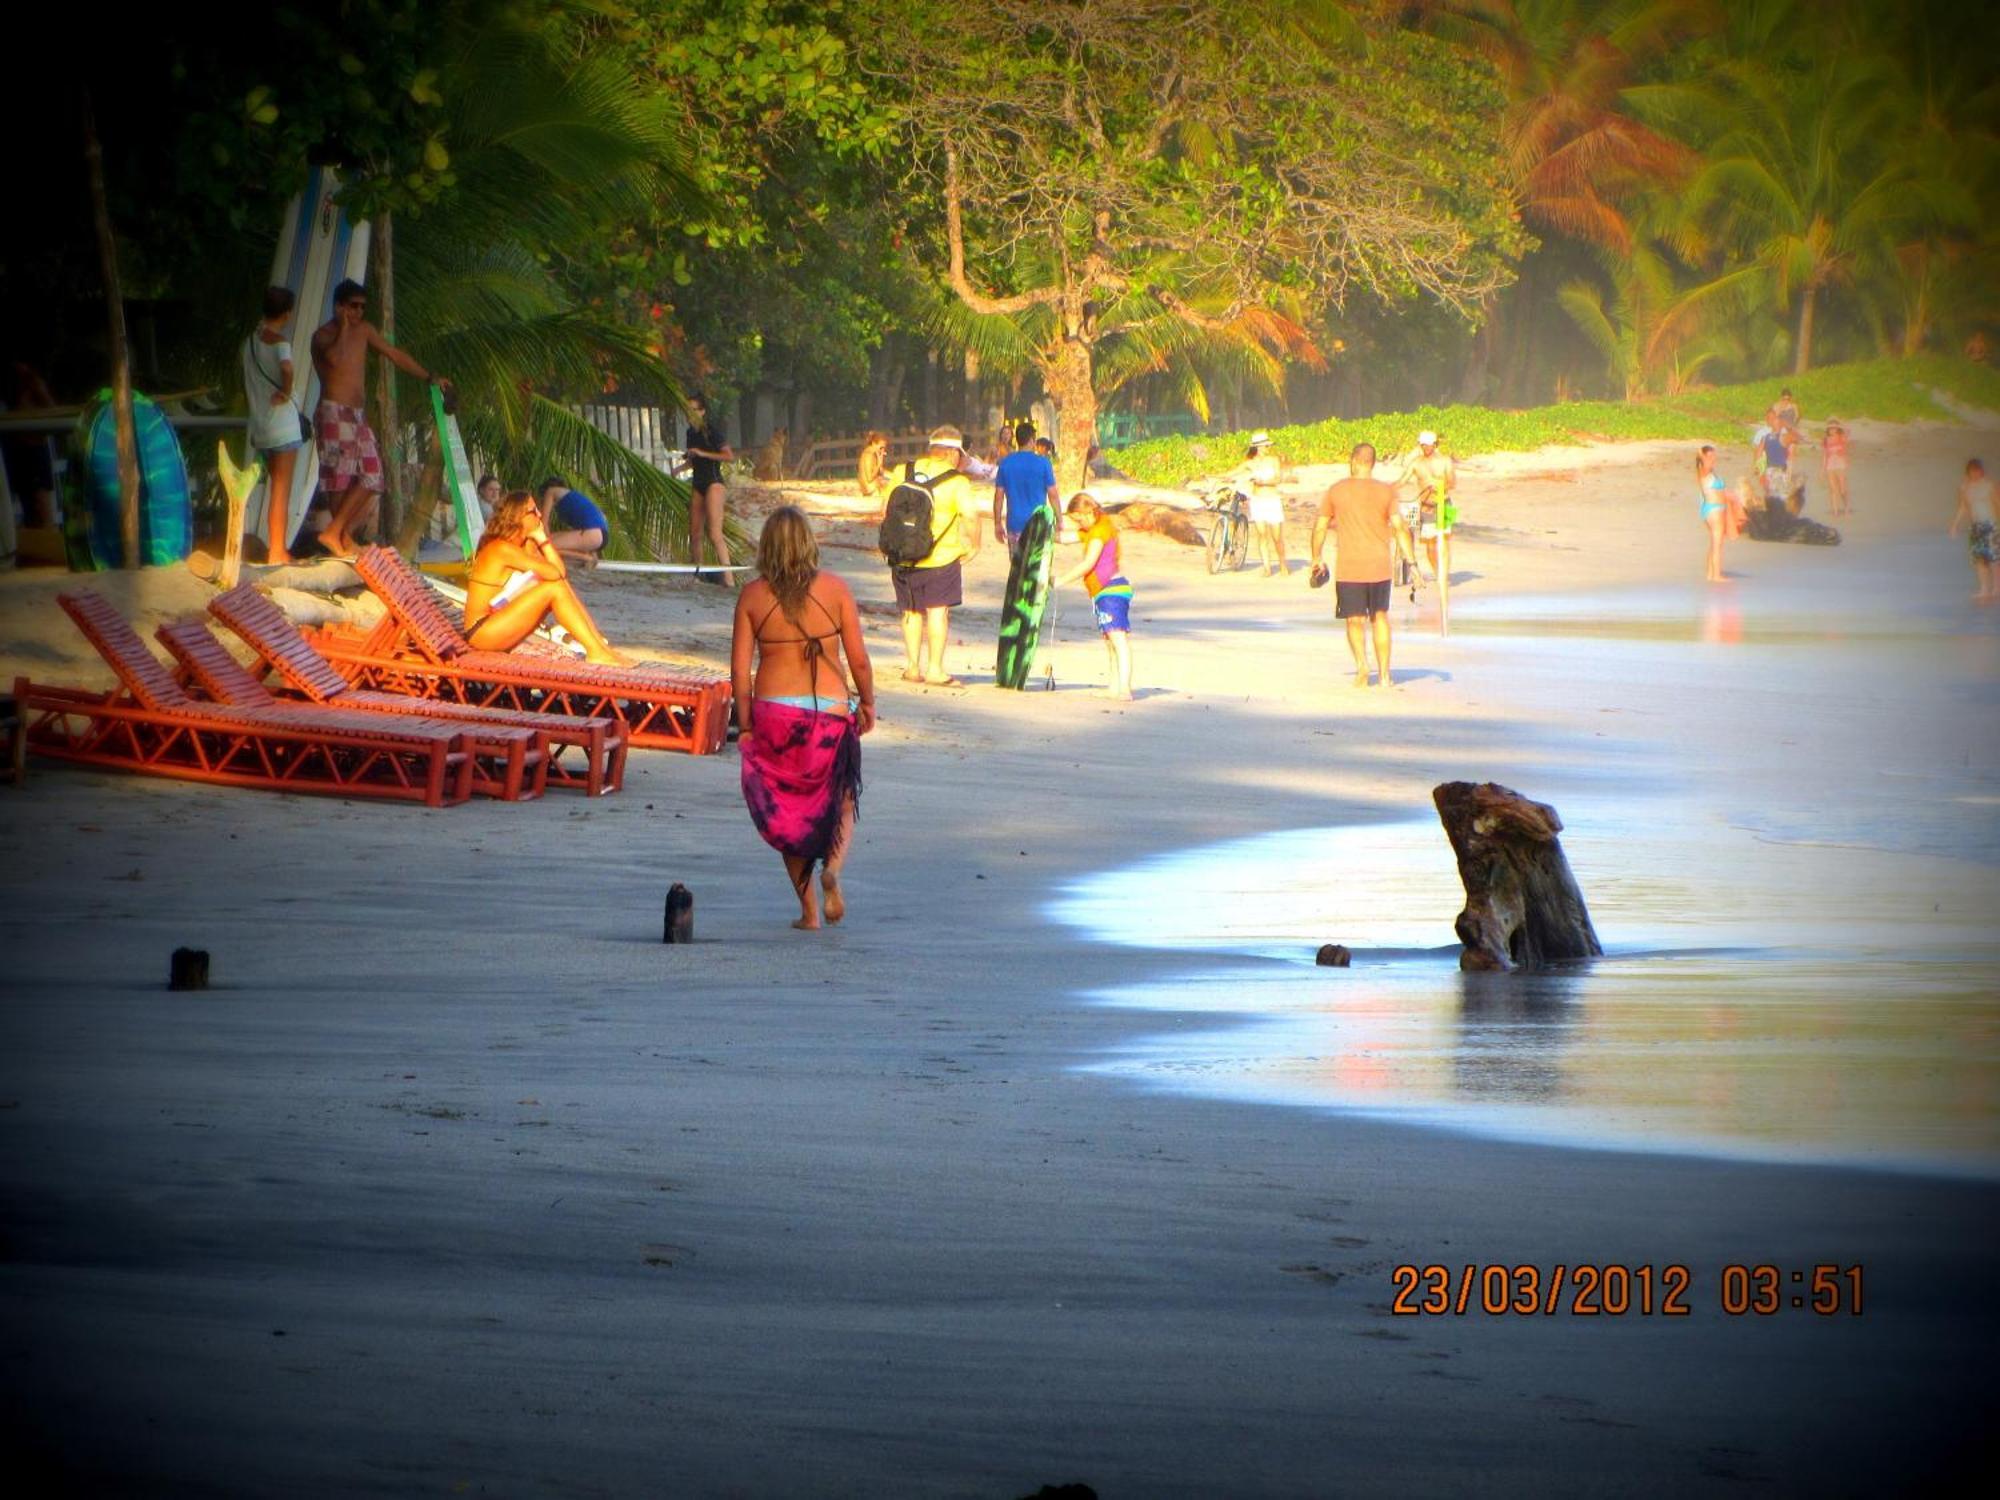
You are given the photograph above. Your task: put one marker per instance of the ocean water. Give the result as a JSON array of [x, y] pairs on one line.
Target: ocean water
[[1792, 1028], [1781, 800]]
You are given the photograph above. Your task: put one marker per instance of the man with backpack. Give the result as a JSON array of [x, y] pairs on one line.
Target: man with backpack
[[927, 533]]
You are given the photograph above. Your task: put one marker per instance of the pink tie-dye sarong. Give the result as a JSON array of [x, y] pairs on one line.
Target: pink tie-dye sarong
[[799, 768]]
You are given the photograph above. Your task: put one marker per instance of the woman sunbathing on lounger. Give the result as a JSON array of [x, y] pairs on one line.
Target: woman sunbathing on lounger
[[799, 730], [517, 578]]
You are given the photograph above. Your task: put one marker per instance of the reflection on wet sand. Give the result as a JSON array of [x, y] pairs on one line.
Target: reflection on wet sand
[[1691, 1040]]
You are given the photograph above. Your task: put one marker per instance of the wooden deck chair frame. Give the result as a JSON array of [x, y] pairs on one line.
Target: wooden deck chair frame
[[510, 761], [266, 630], [149, 725]]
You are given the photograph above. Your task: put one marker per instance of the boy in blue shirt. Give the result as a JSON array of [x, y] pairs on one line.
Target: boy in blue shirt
[[577, 528], [1026, 480]]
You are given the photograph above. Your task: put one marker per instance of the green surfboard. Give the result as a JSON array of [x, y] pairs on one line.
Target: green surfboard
[[1028, 588]]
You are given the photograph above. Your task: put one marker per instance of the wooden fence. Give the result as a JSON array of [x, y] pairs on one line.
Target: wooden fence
[[835, 458]]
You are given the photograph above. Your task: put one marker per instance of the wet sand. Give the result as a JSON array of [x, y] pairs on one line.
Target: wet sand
[[460, 1181]]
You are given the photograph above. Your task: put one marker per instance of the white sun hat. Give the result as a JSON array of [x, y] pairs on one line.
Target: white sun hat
[[1260, 439], [1427, 439]]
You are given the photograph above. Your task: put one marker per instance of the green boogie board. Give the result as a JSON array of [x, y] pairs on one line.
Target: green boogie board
[[1027, 598]]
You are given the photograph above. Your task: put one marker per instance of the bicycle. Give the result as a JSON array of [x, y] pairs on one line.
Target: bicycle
[[1229, 537]]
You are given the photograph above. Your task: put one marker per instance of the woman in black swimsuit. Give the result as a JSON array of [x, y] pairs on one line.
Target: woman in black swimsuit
[[798, 727], [707, 452]]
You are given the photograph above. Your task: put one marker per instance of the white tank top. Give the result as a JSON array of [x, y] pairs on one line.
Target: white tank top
[[1979, 500]]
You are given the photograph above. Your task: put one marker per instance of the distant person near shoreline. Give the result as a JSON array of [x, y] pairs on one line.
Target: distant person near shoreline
[[1367, 530], [1434, 474], [1833, 456], [1109, 589], [798, 725], [1975, 505], [350, 463], [1261, 469], [1723, 511]]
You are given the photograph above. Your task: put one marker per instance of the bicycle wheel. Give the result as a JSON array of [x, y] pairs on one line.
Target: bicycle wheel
[[1218, 542], [1239, 543]]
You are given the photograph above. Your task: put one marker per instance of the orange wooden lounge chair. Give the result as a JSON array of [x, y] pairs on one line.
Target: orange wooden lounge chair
[[151, 725], [280, 648], [510, 761], [417, 650]]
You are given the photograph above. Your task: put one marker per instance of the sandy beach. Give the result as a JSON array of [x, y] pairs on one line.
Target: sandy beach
[[458, 1181]]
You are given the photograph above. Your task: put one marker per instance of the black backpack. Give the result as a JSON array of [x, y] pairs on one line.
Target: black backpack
[[906, 538]]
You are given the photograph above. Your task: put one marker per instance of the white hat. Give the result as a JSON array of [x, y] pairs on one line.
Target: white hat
[[1427, 439], [1260, 439]]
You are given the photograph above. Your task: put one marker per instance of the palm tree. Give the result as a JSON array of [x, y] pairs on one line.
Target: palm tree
[[1806, 176], [549, 149]]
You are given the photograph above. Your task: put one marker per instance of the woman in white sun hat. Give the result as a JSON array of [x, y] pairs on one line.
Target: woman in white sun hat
[[1261, 470]]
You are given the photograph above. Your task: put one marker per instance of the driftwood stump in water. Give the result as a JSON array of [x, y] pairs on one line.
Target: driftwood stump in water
[[1522, 907]]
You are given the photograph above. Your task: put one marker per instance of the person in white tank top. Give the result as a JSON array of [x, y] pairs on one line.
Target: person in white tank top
[[1975, 507]]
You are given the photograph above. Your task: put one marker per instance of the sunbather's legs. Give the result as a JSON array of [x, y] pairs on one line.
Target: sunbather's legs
[[829, 875], [512, 623]]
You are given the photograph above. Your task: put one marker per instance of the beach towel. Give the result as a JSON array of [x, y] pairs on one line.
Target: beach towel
[[799, 768]]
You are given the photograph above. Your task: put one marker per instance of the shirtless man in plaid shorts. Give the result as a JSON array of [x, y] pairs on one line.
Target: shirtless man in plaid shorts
[[350, 463]]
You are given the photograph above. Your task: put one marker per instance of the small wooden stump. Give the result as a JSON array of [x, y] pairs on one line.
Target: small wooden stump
[[188, 969], [1522, 906], [1332, 956], [678, 926]]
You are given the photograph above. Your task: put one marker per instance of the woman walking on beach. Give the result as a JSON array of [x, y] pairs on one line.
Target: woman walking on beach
[[798, 726], [1110, 591], [1715, 508], [1975, 506], [517, 578], [1261, 469], [707, 450]]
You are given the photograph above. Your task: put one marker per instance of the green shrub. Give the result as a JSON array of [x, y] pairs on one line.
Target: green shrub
[[1888, 390]]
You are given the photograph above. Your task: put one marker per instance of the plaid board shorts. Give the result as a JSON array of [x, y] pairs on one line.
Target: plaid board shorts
[[347, 450]]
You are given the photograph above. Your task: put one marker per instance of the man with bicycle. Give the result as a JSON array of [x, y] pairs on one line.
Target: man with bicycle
[[1368, 529]]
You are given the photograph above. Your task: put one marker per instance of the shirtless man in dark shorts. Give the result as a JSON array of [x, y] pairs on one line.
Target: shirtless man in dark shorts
[[350, 463], [1368, 528]]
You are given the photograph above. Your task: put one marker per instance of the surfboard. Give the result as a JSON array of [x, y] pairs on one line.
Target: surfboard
[[459, 481], [166, 508], [236, 485], [1026, 599], [317, 249]]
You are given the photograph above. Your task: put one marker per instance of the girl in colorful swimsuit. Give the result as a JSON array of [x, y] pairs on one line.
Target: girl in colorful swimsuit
[[1719, 508], [798, 726], [1833, 453], [1976, 507], [1110, 591]]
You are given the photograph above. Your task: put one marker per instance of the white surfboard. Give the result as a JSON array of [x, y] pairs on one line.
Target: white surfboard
[[318, 248]]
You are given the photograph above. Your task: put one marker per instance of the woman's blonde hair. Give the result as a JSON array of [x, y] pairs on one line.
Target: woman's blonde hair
[[788, 558], [507, 523], [1083, 500]]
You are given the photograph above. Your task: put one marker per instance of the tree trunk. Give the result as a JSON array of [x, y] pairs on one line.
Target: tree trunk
[[391, 429], [1522, 906], [121, 359], [1066, 373], [1802, 356], [430, 489], [1479, 360]]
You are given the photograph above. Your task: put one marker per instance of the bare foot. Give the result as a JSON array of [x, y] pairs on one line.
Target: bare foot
[[606, 658], [335, 544], [1361, 679], [807, 924], [910, 676], [277, 557], [836, 904]]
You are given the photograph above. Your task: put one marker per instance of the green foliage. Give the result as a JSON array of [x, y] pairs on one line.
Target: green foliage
[[1883, 390]]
